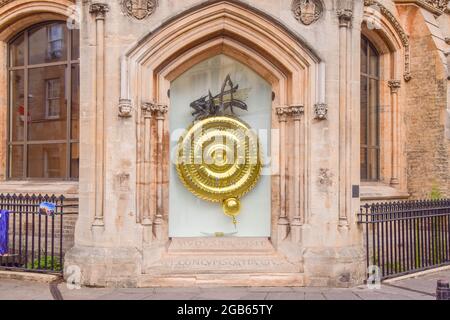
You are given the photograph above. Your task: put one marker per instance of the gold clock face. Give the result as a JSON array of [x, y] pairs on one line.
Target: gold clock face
[[219, 160]]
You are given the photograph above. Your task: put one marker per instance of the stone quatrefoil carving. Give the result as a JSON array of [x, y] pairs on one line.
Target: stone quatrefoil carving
[[139, 9], [307, 11]]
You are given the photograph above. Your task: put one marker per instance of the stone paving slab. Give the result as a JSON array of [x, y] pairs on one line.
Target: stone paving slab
[[421, 287], [24, 290], [425, 284]]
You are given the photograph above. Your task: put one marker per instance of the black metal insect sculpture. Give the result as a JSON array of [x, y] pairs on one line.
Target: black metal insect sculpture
[[210, 105]]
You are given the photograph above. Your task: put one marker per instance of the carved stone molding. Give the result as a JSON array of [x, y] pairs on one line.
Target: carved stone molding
[[437, 7], [307, 11], [289, 111], [394, 85], [320, 111], [5, 2], [125, 108], [296, 112], [99, 10], [345, 17], [438, 4], [159, 110], [146, 109], [400, 31], [139, 9], [282, 113]]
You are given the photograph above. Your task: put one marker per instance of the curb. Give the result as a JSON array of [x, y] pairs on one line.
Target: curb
[[29, 276]]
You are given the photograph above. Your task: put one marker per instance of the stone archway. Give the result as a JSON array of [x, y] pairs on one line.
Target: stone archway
[[283, 60]]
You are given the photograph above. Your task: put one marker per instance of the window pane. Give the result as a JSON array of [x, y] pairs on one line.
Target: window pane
[[47, 103], [74, 161], [47, 161], [363, 166], [370, 117], [373, 139], [47, 43], [17, 105], [363, 56], [75, 44], [363, 111], [75, 111], [373, 62], [16, 52], [16, 162]]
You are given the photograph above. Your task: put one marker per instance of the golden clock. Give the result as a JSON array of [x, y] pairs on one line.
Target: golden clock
[[219, 156], [219, 160]]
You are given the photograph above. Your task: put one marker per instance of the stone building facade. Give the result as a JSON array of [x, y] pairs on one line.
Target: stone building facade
[[354, 95]]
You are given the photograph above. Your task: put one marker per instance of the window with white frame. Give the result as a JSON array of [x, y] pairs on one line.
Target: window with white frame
[[52, 98], [55, 41]]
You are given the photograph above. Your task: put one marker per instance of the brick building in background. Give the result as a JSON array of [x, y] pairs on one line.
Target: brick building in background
[[354, 95]]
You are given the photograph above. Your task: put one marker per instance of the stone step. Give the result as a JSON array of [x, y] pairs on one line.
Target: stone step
[[222, 280]]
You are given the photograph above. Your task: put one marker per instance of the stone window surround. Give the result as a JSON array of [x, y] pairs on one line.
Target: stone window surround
[[388, 42], [16, 17]]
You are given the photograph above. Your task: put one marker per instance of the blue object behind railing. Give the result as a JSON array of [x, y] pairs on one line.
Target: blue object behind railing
[[4, 223]]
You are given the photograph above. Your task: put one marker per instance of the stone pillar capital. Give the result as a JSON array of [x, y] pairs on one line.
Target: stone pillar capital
[[394, 85], [159, 110], [345, 17], [99, 10], [146, 108], [296, 112], [283, 112]]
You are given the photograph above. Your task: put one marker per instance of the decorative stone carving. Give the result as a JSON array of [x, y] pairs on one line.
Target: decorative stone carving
[[282, 113], [296, 111], [99, 10], [125, 108], [5, 2], [152, 108], [286, 111], [159, 110], [139, 9], [400, 31], [320, 111], [438, 4], [436, 7], [325, 177], [345, 17], [307, 11], [147, 109], [394, 85]]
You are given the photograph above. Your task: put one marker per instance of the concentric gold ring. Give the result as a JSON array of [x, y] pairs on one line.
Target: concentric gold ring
[[219, 158]]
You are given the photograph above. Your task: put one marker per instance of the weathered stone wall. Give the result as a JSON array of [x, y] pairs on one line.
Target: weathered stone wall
[[427, 149]]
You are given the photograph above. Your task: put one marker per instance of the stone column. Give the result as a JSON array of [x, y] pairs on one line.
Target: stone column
[[283, 222], [99, 10], [125, 106], [146, 214], [345, 19], [159, 110], [395, 127], [298, 219]]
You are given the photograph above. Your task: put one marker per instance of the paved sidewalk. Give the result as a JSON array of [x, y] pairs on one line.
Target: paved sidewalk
[[419, 288]]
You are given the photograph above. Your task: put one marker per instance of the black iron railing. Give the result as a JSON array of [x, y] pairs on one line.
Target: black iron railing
[[406, 236], [36, 241]]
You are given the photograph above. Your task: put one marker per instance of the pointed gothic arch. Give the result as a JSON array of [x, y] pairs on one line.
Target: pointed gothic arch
[[252, 38]]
